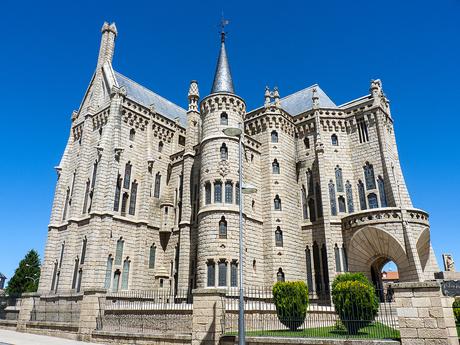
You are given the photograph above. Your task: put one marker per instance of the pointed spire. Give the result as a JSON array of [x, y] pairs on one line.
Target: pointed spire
[[223, 78]]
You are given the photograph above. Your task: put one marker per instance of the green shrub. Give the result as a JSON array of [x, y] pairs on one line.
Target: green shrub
[[355, 301], [291, 301], [456, 306]]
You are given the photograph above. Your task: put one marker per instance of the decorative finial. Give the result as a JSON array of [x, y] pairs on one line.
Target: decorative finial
[[276, 96], [267, 96], [193, 96], [315, 98], [223, 23]]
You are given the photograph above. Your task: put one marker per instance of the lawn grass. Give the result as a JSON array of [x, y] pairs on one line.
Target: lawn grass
[[376, 330]]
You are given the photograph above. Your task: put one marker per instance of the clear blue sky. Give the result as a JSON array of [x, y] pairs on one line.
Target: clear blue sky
[[49, 52]]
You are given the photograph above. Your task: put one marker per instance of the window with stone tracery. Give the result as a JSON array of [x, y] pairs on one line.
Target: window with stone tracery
[[372, 200], [332, 198], [383, 196], [349, 194], [369, 176]]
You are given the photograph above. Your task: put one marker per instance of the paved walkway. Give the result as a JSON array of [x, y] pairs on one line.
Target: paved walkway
[[17, 338]]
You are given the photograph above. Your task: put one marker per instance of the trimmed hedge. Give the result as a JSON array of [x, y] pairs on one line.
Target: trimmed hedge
[[456, 307], [355, 301], [291, 301]]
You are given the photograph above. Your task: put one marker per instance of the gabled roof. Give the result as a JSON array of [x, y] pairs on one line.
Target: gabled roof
[[301, 101], [146, 97]]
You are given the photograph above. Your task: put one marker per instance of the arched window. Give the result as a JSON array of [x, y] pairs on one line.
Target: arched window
[[125, 275], [309, 269], [222, 273], [85, 200], [66, 204], [339, 179], [108, 272], [383, 196], [311, 210], [344, 258], [317, 267], [338, 265], [334, 140], [349, 194], [83, 251], [61, 256], [319, 201], [124, 202], [280, 275], [254, 266], [207, 192], [224, 118], [222, 228], [274, 136], [217, 191], [160, 146], [132, 201], [237, 193], [116, 203], [332, 198], [372, 200], [306, 142], [277, 203], [362, 195], [325, 267], [234, 274], [156, 191], [119, 251], [342, 206], [278, 237], [228, 192], [304, 203], [369, 176], [309, 181], [75, 273], [116, 281], [211, 273], [223, 152], [127, 179], [153, 251], [79, 278], [275, 167], [93, 180], [132, 134]]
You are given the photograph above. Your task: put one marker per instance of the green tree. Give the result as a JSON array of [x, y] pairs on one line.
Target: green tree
[[291, 301], [26, 276]]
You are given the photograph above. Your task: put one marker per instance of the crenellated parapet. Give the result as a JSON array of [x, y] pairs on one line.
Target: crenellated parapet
[[216, 102]]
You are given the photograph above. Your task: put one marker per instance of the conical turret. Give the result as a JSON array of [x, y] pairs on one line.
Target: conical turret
[[223, 78]]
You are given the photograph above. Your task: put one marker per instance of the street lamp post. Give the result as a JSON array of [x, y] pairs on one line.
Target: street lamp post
[[238, 132]]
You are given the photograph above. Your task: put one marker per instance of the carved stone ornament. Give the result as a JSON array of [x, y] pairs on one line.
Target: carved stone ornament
[[448, 262], [224, 168]]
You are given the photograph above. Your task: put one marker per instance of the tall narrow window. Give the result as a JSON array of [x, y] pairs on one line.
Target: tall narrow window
[[156, 192], [319, 202], [108, 272], [93, 180], [275, 167], [224, 118], [153, 251], [309, 270], [207, 193], [83, 251], [274, 136], [132, 201], [317, 266], [372, 200], [228, 192], [278, 237], [369, 176], [310, 181], [211, 273], [217, 191], [75, 273], [338, 265], [127, 179], [334, 140], [339, 179], [325, 268], [160, 146], [311, 210], [79, 278], [222, 228], [349, 194], [280, 275], [119, 251], [332, 198], [342, 206], [362, 195], [304, 203], [237, 193], [85, 201], [66, 204], [116, 281], [53, 281], [306, 142], [344, 258], [116, 203], [362, 130], [234, 274], [223, 152], [132, 134], [277, 203], [124, 203], [383, 196], [61, 257], [125, 275], [222, 273]]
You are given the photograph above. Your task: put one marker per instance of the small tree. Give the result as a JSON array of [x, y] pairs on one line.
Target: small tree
[[456, 307], [355, 301], [25, 278], [291, 301]]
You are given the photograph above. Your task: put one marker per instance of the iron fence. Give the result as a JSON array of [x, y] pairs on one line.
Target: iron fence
[[9, 307], [146, 311], [64, 309], [321, 321]]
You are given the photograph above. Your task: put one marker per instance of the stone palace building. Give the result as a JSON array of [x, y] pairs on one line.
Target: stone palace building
[[147, 192]]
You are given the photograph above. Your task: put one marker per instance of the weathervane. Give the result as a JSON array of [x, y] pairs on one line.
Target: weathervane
[[223, 23]]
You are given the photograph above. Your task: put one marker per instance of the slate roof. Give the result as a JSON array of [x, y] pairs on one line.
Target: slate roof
[[301, 101], [147, 97]]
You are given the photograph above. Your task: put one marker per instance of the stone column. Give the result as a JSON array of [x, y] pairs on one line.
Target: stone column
[[26, 307], [89, 311], [425, 314], [208, 316]]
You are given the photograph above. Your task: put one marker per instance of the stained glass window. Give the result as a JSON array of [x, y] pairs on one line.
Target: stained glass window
[[116, 281], [369, 176], [124, 202], [372, 200], [332, 198], [349, 194], [362, 195], [218, 191], [325, 267], [339, 179], [383, 196], [228, 192]]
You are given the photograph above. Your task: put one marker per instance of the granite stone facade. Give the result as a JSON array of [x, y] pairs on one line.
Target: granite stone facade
[[147, 192]]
